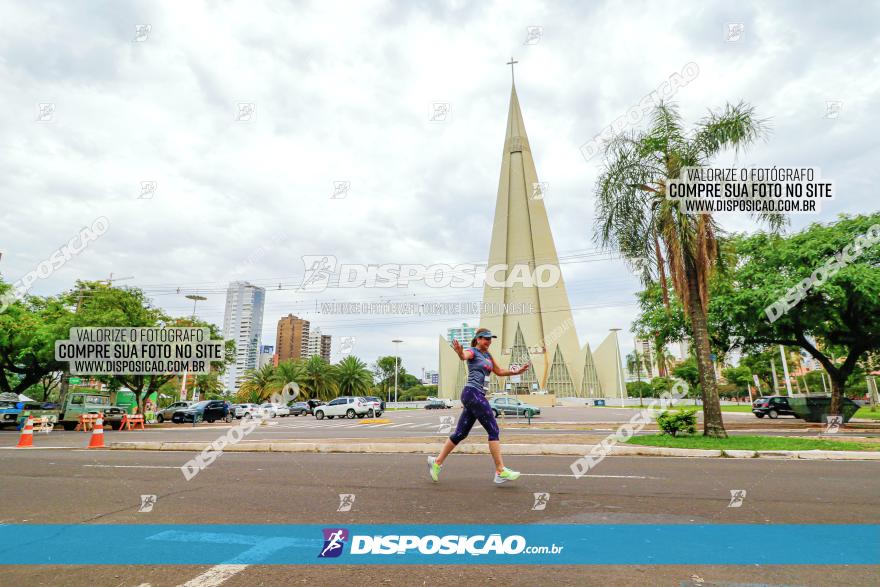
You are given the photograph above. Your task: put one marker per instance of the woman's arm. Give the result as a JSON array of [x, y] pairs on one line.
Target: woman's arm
[[463, 354], [505, 372]]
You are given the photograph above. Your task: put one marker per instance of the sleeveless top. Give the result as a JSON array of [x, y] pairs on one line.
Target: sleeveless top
[[479, 369]]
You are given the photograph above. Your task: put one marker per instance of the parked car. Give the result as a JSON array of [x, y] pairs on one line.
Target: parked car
[[208, 411], [246, 410], [376, 406], [772, 406], [300, 409], [377, 399], [513, 406], [272, 410], [314, 403], [168, 412], [344, 407], [438, 404]]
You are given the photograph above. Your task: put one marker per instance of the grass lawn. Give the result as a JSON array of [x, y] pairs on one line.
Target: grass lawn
[[867, 414], [690, 405], [750, 443]]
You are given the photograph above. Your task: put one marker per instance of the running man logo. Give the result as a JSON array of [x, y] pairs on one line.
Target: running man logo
[[319, 268], [147, 503], [334, 542], [737, 496], [541, 500], [446, 423], [833, 424], [346, 500]]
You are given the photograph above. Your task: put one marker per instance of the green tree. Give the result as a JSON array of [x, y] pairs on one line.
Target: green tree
[[257, 385], [319, 378], [634, 217], [836, 314], [662, 322], [739, 376], [353, 377], [383, 372], [290, 371], [690, 373]]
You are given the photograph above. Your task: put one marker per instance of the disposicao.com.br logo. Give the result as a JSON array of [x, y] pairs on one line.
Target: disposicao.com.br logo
[[452, 544]]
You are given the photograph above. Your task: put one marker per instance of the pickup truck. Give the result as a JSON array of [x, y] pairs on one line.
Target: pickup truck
[[90, 402]]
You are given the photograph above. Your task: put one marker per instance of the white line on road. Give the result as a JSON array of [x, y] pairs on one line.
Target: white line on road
[[132, 466], [600, 476], [214, 576]]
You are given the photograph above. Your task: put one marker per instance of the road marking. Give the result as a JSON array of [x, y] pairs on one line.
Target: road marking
[[214, 576], [598, 476], [132, 466]]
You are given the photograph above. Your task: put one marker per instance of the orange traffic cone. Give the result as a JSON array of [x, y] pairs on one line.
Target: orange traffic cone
[[97, 439], [27, 434]]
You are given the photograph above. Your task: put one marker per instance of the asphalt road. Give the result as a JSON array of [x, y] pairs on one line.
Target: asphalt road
[[104, 487], [587, 422]]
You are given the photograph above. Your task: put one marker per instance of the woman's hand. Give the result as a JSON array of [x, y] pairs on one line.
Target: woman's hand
[[456, 346], [522, 369]]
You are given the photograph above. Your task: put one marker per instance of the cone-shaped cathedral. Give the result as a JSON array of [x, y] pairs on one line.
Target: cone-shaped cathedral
[[525, 301]]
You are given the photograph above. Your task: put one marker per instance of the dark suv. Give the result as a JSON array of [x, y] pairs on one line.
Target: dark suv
[[773, 406], [207, 411]]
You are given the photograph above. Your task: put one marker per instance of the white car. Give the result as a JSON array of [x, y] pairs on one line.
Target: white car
[[247, 410], [272, 410], [344, 407]]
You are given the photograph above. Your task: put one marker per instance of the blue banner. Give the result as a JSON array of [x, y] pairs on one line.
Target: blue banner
[[538, 544]]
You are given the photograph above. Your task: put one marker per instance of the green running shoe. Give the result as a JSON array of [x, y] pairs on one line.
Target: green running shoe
[[506, 475], [434, 469]]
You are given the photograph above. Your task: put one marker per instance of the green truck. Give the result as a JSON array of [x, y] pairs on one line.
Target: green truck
[[114, 405]]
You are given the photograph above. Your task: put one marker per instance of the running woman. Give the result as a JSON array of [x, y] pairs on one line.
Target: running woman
[[476, 407]]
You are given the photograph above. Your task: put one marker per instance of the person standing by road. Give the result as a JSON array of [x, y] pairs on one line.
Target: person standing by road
[[476, 407]]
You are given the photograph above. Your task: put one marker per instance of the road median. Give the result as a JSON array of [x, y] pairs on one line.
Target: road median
[[509, 448]]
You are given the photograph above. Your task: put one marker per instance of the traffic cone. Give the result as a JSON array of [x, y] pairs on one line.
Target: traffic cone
[[27, 434], [97, 439]]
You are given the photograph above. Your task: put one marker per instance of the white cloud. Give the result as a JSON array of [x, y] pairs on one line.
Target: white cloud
[[343, 91]]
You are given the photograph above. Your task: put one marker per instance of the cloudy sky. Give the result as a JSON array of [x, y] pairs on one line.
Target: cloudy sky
[[345, 92]]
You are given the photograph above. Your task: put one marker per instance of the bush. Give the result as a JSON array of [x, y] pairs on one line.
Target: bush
[[638, 389], [677, 421]]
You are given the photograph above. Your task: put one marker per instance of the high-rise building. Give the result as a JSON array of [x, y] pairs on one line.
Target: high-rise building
[[243, 323], [542, 334], [267, 355], [292, 338], [463, 334], [326, 346], [319, 344]]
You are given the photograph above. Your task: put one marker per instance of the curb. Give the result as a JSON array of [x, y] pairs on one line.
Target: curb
[[514, 449]]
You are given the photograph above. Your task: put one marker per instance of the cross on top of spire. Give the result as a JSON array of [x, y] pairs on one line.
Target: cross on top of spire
[[511, 63]]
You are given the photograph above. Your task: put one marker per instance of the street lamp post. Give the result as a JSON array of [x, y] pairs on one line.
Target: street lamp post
[[396, 364], [196, 299]]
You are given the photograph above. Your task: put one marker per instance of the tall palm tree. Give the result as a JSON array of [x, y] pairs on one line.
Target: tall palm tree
[[319, 378], [353, 377], [258, 385], [634, 217], [290, 371]]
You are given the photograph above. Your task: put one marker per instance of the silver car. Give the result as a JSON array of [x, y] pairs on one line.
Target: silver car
[[168, 412]]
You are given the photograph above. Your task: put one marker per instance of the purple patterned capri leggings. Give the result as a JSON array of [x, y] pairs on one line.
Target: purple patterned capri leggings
[[476, 407]]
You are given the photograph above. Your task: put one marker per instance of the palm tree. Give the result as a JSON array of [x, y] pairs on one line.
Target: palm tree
[[258, 385], [634, 217], [353, 377], [318, 378], [290, 371]]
